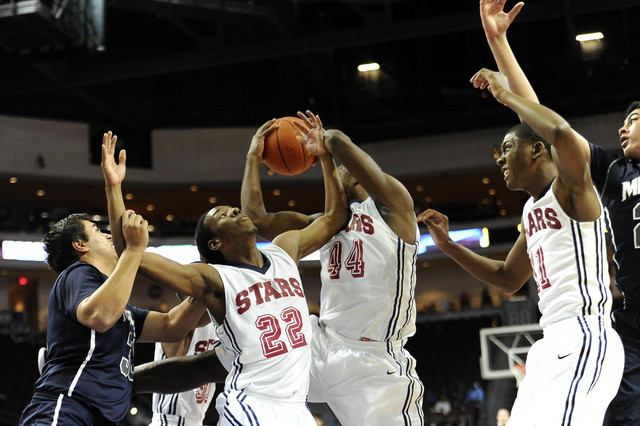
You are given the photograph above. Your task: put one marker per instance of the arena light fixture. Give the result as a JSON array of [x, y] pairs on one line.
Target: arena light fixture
[[372, 66], [589, 36]]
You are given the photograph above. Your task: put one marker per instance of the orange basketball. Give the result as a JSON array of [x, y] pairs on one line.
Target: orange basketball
[[283, 153]]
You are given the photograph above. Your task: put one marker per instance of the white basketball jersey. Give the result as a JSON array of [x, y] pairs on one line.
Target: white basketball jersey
[[368, 279], [569, 261], [266, 327], [190, 406]]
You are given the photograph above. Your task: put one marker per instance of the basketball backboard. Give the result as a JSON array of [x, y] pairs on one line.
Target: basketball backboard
[[502, 347]]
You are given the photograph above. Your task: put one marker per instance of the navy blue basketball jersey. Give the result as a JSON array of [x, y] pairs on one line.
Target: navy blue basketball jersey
[[94, 368], [618, 183]]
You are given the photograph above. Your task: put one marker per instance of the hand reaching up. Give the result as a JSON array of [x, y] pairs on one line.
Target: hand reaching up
[[113, 172], [313, 139]]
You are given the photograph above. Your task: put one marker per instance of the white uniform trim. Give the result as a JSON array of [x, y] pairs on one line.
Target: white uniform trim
[[92, 347]]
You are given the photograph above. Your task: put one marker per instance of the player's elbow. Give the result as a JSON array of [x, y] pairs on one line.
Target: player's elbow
[[100, 321], [561, 132], [334, 139]]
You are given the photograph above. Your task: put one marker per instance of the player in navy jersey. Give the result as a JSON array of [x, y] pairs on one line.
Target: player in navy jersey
[[616, 179], [91, 329], [359, 366], [254, 297], [574, 371]]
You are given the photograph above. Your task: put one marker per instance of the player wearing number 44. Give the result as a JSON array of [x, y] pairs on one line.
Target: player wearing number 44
[[255, 297], [87, 374], [359, 366], [575, 369]]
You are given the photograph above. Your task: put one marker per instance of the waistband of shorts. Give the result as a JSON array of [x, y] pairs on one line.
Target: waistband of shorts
[[163, 419], [363, 344], [605, 320], [237, 394]]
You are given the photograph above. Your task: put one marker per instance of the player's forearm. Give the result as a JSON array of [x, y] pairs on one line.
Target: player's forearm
[[179, 374], [544, 121], [183, 318], [171, 274], [335, 202], [509, 66], [252, 202], [116, 208], [487, 270]]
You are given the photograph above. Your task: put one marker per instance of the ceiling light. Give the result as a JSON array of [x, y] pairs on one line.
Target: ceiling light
[[372, 66], [13, 179], [590, 36]]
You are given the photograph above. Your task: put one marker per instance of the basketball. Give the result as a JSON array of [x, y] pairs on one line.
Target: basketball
[[283, 153]]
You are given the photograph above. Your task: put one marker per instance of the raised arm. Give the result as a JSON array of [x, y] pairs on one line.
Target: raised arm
[[391, 197], [508, 275], [269, 224], [198, 280], [114, 174], [574, 178], [179, 374], [495, 23], [303, 242]]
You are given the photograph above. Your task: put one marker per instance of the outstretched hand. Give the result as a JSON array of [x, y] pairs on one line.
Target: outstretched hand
[[113, 172], [257, 142], [438, 225], [494, 81], [313, 134], [495, 20]]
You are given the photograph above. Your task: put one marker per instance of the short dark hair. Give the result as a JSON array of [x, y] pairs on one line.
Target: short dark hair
[[525, 133], [632, 107], [57, 242], [204, 234]]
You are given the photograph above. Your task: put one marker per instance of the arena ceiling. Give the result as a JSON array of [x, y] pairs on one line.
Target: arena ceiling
[[136, 65]]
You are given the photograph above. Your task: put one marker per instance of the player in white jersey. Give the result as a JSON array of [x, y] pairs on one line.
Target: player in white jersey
[[367, 307], [254, 296], [575, 369], [190, 407]]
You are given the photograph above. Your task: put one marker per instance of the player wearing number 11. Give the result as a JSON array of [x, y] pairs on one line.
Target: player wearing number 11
[[255, 297], [359, 366], [575, 369]]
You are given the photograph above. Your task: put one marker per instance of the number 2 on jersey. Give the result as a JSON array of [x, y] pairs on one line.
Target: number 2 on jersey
[[270, 340], [354, 262]]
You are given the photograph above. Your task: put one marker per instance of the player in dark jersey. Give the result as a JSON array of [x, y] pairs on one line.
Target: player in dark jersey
[[91, 329], [616, 180]]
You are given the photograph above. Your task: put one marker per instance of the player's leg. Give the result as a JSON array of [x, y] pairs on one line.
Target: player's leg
[[318, 366], [56, 410], [573, 375], [624, 409], [373, 384]]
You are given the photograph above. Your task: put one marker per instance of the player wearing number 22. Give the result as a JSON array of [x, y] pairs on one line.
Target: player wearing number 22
[[255, 297], [574, 371], [359, 366]]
